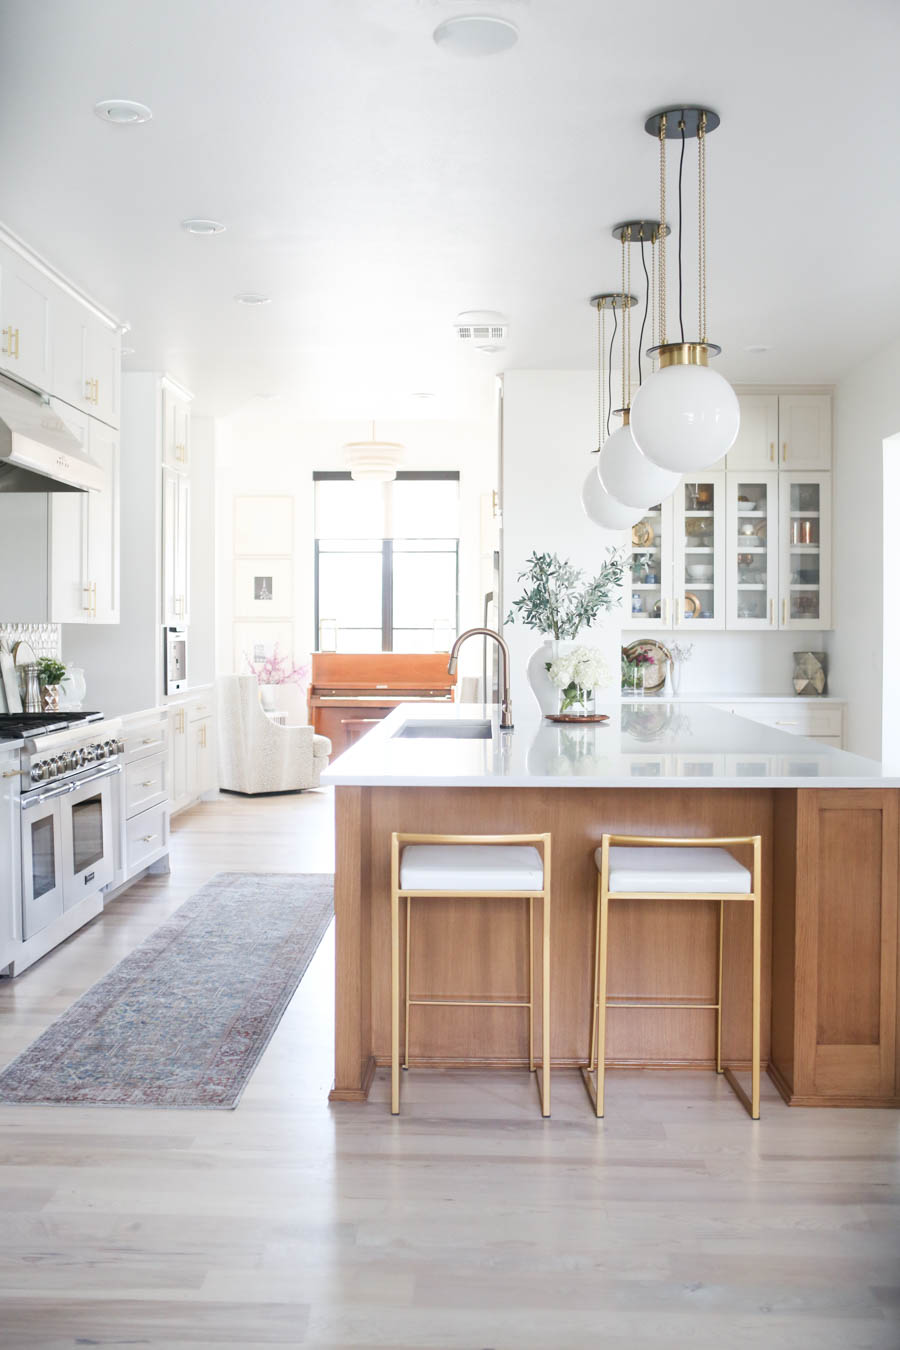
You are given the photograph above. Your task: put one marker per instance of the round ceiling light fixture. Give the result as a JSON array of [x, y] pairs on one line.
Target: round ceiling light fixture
[[200, 225], [373, 460], [252, 298], [476, 35], [122, 112], [685, 416]]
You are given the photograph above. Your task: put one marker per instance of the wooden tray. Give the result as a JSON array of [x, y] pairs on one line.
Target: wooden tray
[[573, 717]]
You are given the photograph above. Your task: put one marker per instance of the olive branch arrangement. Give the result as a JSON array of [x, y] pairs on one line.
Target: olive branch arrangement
[[558, 602]]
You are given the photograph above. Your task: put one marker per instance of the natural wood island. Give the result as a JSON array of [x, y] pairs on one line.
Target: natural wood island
[[831, 846]]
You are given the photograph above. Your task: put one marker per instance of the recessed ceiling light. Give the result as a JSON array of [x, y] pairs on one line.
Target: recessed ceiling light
[[476, 35], [252, 298], [199, 225], [422, 394], [269, 398], [122, 111], [757, 350]]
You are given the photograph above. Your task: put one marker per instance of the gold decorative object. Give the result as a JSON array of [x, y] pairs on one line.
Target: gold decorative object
[[810, 673], [642, 534]]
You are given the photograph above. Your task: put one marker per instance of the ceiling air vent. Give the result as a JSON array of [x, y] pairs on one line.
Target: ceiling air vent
[[483, 329]]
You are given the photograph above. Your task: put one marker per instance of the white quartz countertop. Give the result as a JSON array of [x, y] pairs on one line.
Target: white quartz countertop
[[646, 743]]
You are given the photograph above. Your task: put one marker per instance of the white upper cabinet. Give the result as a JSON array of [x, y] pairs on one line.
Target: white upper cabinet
[[24, 320], [751, 567], [804, 431], [86, 358], [103, 526], [699, 542], [805, 550], [782, 431], [756, 446], [176, 552], [649, 587], [176, 432], [84, 537]]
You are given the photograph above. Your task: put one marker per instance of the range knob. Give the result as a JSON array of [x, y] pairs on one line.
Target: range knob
[[52, 766], [110, 747], [101, 751], [120, 747], [88, 754], [38, 772]]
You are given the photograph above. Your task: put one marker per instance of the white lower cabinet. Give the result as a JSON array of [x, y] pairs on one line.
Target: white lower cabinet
[[193, 771], [10, 853], [145, 791], [798, 717]]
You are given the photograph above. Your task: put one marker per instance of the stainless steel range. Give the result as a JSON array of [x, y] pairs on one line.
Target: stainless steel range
[[69, 765]]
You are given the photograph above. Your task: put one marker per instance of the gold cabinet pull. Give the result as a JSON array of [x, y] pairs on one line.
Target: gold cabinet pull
[[179, 452], [784, 452], [147, 838], [771, 611], [787, 722], [14, 342], [87, 588], [148, 782], [772, 451], [7, 342], [783, 612], [148, 740]]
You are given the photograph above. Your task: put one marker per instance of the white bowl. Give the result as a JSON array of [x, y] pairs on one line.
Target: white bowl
[[699, 571]]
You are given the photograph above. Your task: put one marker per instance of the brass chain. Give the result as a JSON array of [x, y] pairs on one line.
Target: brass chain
[[662, 219], [654, 314], [623, 317], [701, 233], [627, 403]]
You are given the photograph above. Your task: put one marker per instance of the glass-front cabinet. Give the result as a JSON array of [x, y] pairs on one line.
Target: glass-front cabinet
[[699, 535], [805, 550], [650, 603], [752, 551]]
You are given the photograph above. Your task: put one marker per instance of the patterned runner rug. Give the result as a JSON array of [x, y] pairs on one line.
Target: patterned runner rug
[[182, 1021]]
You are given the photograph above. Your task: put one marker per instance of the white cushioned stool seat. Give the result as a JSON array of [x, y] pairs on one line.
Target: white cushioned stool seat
[[692, 871], [471, 867]]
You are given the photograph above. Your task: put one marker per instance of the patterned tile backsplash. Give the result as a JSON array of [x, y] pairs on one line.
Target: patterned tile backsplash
[[44, 637]]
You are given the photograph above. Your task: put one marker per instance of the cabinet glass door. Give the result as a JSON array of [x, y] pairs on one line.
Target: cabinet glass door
[[752, 550], [699, 547], [805, 550], [649, 603]]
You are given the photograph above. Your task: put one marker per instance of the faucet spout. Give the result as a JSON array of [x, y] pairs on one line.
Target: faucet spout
[[506, 722]]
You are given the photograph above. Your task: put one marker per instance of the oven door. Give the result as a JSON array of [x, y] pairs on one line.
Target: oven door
[[42, 860], [86, 827]]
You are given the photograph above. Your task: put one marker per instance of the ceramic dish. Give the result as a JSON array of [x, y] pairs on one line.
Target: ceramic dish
[[642, 534], [692, 606], [660, 657], [573, 717], [699, 571]]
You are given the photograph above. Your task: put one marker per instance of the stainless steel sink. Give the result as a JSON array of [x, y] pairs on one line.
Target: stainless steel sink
[[439, 730]]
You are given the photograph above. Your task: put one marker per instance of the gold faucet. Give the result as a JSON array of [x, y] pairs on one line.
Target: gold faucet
[[506, 722]]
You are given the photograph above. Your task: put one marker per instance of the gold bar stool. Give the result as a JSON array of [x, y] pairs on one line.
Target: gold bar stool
[[634, 868], [475, 866]]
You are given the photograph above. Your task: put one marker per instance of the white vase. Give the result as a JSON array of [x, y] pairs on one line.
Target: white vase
[[267, 696], [545, 692], [73, 690]]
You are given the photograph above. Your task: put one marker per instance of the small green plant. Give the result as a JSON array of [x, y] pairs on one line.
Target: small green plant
[[50, 670], [558, 602]]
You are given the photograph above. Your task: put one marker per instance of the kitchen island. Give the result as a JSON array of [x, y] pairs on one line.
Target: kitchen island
[[830, 825]]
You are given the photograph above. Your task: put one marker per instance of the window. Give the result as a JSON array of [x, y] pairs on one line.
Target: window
[[387, 563]]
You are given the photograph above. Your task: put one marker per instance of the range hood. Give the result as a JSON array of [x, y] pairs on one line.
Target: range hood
[[39, 450]]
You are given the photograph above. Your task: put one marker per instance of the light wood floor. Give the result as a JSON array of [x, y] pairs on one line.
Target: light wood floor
[[467, 1223]]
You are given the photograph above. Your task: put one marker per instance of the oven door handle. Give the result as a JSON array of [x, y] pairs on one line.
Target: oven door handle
[[39, 798], [108, 771]]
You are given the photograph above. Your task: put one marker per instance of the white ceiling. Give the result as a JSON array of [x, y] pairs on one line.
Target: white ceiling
[[375, 185]]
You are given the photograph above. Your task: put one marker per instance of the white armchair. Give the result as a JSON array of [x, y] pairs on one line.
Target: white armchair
[[255, 754]]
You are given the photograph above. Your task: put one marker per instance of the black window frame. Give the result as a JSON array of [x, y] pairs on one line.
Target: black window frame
[[387, 551]]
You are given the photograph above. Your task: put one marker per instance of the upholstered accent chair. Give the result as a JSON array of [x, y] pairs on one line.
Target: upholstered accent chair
[[255, 754]]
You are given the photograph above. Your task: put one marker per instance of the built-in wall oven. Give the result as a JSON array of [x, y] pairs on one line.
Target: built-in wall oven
[[175, 659]]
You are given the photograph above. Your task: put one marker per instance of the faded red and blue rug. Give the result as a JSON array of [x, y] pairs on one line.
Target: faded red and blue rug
[[183, 1021]]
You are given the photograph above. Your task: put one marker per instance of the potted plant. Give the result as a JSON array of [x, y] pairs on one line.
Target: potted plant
[[275, 670], [560, 603], [51, 674]]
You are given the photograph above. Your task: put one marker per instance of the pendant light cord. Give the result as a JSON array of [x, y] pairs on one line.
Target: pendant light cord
[[680, 205], [612, 343], [646, 309]]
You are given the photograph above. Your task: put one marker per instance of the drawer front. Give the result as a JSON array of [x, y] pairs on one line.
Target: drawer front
[[800, 719], [145, 784], [147, 738], [146, 836], [199, 707]]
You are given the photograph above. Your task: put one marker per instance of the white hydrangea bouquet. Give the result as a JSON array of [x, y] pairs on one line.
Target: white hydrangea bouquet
[[577, 675]]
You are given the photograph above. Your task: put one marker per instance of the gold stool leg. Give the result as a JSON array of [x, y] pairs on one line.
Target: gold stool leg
[[593, 1060], [545, 1008], [406, 985], [757, 963], [395, 1003], [719, 989], [601, 993]]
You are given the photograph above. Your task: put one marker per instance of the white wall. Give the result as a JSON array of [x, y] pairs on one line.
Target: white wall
[[549, 430], [271, 452], [866, 412]]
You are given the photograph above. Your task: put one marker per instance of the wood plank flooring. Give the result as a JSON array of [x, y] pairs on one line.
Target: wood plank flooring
[[466, 1224]]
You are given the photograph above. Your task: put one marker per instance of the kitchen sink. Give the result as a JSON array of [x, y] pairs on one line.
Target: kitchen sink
[[440, 730]]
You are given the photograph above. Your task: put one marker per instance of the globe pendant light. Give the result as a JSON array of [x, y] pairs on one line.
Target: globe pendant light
[[373, 461], [599, 506], [685, 416], [625, 472]]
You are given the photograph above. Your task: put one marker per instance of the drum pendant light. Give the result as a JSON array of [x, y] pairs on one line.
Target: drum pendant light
[[375, 461], [685, 416], [625, 472]]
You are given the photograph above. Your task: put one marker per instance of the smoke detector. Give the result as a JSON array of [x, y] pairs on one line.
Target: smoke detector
[[483, 329]]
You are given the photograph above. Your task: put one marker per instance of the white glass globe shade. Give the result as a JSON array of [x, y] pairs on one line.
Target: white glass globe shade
[[603, 509], [628, 475], [685, 418]]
